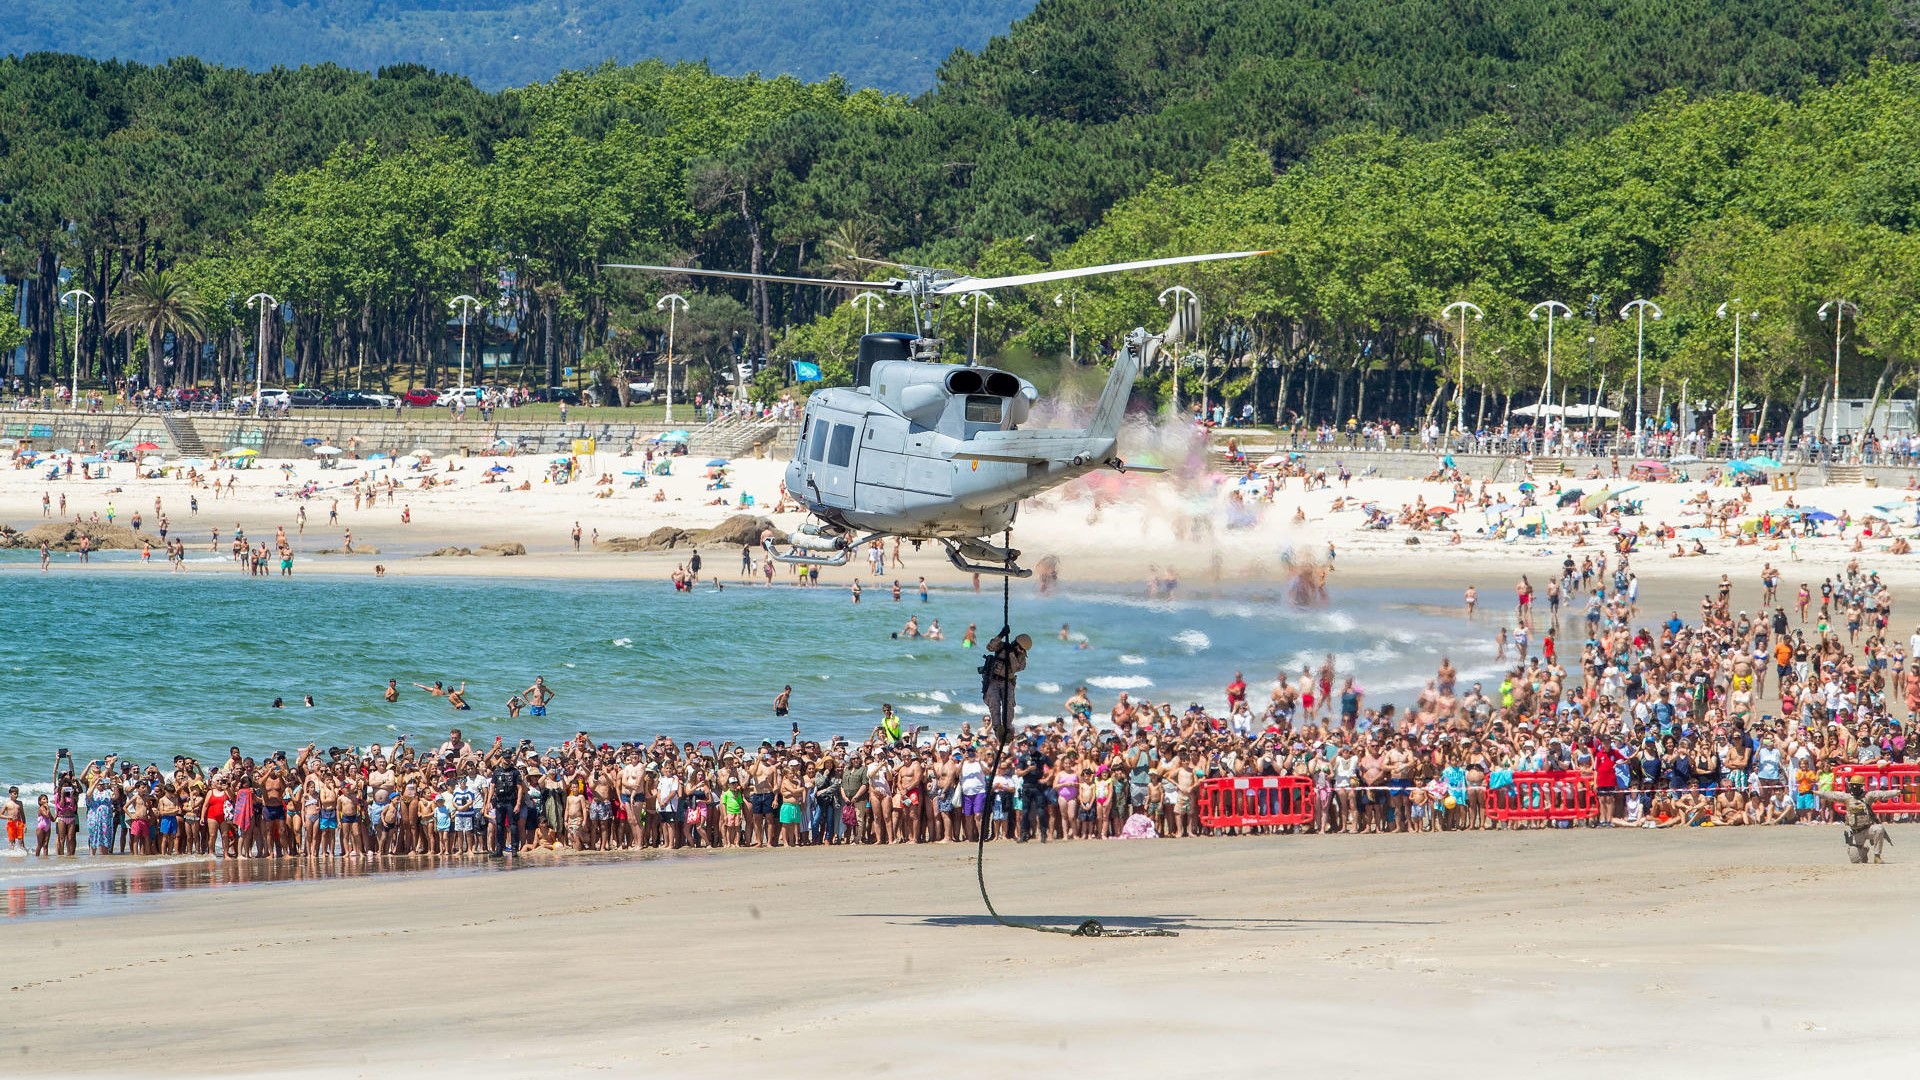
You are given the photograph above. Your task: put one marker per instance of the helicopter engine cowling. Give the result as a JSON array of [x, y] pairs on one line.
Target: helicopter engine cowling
[[1021, 404], [922, 403]]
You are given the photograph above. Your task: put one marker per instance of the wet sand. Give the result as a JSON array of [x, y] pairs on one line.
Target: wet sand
[[1756, 952]]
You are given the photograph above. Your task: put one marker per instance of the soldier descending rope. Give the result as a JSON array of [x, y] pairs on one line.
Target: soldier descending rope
[[1864, 837], [1004, 662]]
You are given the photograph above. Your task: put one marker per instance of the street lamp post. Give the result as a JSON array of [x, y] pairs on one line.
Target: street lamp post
[[1840, 310], [1640, 309], [1731, 307], [1461, 308], [671, 304], [869, 300], [973, 299], [76, 295], [1550, 307], [1185, 296], [464, 304], [266, 304], [1072, 301]]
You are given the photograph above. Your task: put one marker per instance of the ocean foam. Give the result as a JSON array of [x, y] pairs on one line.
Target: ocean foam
[[1119, 682], [1339, 622], [1047, 687], [1193, 641], [623, 642], [1132, 660]]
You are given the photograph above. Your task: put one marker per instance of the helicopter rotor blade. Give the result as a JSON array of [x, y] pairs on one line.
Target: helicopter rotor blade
[[884, 262], [737, 275], [973, 284]]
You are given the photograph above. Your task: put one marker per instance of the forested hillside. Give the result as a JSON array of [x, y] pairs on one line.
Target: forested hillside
[[1398, 154], [502, 43]]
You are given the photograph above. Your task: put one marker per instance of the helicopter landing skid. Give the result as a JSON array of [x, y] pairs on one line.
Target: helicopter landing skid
[[836, 555], [838, 558], [975, 557]]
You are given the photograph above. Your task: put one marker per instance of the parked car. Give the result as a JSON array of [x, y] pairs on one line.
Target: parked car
[[563, 394], [351, 399], [271, 397], [470, 393], [638, 392], [421, 397], [307, 397]]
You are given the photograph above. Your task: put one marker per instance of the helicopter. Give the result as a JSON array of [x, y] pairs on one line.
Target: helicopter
[[926, 450]]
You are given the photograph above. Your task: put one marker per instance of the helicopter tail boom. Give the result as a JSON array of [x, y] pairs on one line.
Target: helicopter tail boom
[[1112, 407]]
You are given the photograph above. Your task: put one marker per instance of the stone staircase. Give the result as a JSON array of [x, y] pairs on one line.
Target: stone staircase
[[1849, 475], [185, 439], [1548, 466], [733, 436]]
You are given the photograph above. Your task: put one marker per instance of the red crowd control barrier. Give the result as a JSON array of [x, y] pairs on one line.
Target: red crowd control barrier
[[1902, 778], [1559, 795], [1230, 802]]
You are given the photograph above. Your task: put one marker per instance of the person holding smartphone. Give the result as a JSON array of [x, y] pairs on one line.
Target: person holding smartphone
[[66, 805]]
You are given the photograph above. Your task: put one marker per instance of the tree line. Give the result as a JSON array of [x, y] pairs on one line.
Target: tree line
[[1395, 154]]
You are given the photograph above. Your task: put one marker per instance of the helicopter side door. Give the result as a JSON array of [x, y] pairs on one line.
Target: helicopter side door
[[883, 468], [833, 445]]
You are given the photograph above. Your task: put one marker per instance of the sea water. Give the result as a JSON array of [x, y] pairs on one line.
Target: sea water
[[152, 665]]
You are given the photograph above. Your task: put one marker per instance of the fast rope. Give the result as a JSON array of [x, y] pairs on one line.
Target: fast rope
[[1087, 927]]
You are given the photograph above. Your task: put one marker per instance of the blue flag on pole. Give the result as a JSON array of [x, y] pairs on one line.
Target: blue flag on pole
[[806, 371]]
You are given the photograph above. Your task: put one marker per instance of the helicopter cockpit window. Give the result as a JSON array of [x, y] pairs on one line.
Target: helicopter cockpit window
[[819, 448], [840, 452], [984, 410]]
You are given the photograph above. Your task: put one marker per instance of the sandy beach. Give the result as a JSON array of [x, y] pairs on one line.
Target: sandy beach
[[1107, 528], [1691, 952], [1756, 953]]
